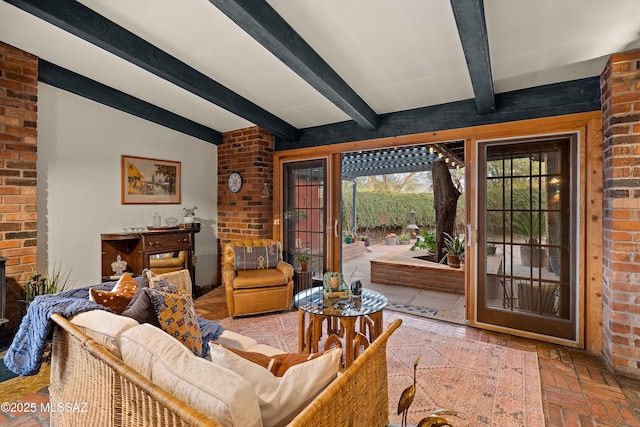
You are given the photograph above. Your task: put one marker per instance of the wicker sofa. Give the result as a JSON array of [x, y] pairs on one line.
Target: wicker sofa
[[84, 371]]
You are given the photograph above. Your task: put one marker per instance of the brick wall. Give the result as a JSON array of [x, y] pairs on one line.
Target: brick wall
[[620, 87], [245, 214], [18, 146]]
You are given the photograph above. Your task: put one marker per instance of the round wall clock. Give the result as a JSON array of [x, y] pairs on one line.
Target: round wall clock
[[235, 182]]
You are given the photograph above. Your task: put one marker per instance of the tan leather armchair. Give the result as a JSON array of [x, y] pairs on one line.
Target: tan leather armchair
[[261, 290], [168, 264]]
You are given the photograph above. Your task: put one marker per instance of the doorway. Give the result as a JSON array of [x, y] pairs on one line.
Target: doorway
[[304, 215], [526, 235]]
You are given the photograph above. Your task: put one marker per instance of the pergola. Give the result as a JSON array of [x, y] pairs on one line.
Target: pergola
[[393, 160]]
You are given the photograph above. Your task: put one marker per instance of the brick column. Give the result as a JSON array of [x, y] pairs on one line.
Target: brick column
[[620, 87], [245, 214], [18, 146]]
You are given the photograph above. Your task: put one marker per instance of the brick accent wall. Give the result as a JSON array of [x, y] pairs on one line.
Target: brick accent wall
[[245, 214], [18, 153], [620, 87]]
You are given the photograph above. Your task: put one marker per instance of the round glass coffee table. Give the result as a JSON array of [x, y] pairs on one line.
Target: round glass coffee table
[[356, 319]]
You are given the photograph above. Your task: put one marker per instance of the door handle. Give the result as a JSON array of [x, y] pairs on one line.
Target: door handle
[[335, 228]]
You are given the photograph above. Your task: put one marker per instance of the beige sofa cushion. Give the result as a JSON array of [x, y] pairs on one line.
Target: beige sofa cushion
[[282, 398], [104, 327], [241, 342], [212, 389]]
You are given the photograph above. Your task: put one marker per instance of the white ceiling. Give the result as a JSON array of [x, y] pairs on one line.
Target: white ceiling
[[396, 55]]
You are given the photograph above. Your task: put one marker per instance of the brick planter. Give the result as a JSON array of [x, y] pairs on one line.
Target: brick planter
[[406, 270]]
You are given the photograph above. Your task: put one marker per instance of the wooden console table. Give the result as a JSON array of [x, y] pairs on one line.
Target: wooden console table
[[137, 247]]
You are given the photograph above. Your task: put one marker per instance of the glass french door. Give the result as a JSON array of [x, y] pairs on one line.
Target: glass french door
[[304, 215], [527, 219]]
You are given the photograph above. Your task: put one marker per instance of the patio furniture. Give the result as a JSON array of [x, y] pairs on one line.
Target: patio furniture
[[537, 297]]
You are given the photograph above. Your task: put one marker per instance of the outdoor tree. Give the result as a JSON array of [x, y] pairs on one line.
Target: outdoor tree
[[445, 202]]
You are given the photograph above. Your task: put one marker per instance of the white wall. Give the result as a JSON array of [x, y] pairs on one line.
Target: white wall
[[78, 193]]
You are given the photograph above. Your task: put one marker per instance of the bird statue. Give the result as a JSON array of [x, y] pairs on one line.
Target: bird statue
[[435, 420], [406, 398]]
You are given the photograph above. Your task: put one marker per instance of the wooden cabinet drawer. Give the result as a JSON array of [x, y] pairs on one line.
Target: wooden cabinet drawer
[[167, 241]]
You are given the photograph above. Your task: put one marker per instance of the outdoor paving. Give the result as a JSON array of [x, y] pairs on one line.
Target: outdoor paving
[[449, 307]]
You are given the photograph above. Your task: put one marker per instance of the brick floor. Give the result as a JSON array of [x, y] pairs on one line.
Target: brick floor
[[577, 388]]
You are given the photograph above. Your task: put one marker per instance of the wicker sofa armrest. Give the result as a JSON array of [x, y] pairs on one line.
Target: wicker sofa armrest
[[359, 396]]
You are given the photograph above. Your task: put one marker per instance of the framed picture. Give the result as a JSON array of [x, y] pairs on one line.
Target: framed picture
[[150, 181]]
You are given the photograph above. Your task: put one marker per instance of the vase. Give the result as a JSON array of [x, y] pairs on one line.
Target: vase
[[188, 219]]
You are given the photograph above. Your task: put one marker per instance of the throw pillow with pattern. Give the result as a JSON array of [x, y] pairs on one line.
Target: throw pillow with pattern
[[160, 283], [277, 364], [177, 317], [117, 299], [255, 257]]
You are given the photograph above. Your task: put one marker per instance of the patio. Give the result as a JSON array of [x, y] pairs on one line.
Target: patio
[[445, 306]]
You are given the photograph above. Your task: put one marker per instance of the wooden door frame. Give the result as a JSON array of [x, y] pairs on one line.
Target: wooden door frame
[[588, 124]]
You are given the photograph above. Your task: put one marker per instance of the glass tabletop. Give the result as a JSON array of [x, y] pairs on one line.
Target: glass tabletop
[[313, 301]]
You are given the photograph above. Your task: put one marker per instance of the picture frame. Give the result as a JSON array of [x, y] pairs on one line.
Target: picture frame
[[150, 181]]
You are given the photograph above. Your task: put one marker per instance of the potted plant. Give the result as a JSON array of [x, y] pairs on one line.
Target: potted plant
[[454, 247], [391, 238], [302, 259], [530, 226], [189, 214], [404, 238], [427, 240], [47, 283], [349, 235], [332, 281]]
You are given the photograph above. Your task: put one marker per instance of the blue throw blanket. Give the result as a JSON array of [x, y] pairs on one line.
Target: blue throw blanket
[[211, 331], [24, 356]]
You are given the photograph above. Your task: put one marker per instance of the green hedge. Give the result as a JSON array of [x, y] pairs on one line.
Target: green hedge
[[390, 210]]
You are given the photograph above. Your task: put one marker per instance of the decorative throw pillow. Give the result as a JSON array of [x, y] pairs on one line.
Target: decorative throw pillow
[[277, 364], [256, 257], [141, 309], [126, 283], [281, 398], [177, 317], [119, 298], [160, 283]]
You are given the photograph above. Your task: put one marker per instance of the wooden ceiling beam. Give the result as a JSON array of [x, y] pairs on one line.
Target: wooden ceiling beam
[[472, 28], [265, 25], [83, 22], [62, 78], [577, 96]]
